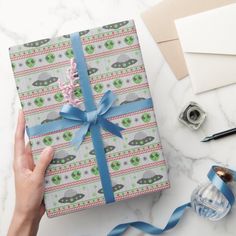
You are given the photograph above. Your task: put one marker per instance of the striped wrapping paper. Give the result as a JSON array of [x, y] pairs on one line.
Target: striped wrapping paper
[[114, 61]]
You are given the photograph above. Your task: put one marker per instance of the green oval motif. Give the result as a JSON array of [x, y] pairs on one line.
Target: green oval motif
[[78, 92], [50, 57], [76, 174], [137, 79], [154, 156], [69, 53], [109, 44], [89, 49], [146, 117], [67, 136], [118, 83], [115, 165], [88, 133], [13, 65], [95, 170], [30, 62], [48, 140], [59, 97], [98, 88], [126, 122], [39, 102], [129, 40], [135, 161], [56, 179]]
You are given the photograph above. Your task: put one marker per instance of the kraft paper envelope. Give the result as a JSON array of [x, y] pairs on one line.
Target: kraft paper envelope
[[209, 44], [160, 22]]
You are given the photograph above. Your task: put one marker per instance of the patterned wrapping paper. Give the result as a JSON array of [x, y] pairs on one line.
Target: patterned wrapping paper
[[114, 60]]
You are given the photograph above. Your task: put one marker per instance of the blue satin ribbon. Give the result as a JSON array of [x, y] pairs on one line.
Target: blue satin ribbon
[[92, 119], [178, 212], [90, 106], [221, 185], [148, 228], [66, 123]]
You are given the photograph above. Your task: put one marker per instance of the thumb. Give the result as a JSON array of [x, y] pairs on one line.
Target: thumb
[[45, 159]]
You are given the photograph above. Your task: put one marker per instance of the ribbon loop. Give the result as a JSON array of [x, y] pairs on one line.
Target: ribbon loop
[[106, 102], [72, 113]]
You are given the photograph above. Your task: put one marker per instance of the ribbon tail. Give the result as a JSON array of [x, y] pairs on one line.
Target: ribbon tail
[[148, 228], [110, 127], [80, 135]]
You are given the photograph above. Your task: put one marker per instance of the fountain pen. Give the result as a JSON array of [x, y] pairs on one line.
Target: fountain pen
[[220, 135]]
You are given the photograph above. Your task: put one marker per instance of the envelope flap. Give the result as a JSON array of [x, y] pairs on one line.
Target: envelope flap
[[160, 18], [209, 32]]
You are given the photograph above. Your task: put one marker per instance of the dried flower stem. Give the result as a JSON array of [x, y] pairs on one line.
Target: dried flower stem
[[69, 86]]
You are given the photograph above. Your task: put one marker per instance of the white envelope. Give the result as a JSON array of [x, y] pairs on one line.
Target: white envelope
[[208, 41]]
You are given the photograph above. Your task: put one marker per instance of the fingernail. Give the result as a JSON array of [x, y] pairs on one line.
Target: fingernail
[[49, 151], [20, 111]]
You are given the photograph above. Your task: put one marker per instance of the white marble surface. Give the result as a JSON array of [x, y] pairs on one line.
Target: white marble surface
[[188, 158]]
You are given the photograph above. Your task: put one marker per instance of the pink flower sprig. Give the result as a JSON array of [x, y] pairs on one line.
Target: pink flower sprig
[[69, 86]]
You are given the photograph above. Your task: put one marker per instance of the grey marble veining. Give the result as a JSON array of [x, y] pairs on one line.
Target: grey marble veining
[[188, 158]]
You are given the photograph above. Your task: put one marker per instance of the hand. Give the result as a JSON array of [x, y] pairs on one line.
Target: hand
[[29, 185]]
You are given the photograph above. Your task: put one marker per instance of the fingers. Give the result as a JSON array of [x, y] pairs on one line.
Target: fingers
[[45, 159], [42, 209], [20, 135], [29, 157], [19, 147]]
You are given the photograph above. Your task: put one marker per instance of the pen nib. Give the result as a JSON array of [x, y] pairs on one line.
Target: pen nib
[[206, 139]]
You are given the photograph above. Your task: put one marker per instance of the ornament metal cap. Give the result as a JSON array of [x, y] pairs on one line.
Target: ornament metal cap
[[224, 173]]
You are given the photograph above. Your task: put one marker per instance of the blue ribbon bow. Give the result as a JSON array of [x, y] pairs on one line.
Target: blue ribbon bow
[[91, 118]]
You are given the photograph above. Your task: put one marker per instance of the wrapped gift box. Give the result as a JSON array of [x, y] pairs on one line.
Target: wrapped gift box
[[114, 62]]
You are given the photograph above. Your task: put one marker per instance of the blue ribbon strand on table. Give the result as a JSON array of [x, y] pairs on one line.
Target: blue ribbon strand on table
[[178, 212], [92, 119]]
